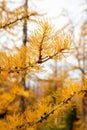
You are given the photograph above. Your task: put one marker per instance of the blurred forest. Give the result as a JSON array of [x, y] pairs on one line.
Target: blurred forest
[[43, 70]]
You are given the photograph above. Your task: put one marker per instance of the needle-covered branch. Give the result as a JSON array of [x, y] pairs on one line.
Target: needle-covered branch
[[27, 66], [10, 23], [47, 114], [43, 46]]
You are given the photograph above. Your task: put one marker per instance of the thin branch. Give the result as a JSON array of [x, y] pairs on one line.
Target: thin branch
[[46, 115], [18, 19], [40, 49], [16, 69], [48, 58]]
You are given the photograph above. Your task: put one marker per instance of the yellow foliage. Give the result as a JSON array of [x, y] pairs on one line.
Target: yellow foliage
[[34, 108]]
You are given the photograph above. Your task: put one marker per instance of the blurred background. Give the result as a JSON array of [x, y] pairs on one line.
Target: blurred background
[[42, 87]]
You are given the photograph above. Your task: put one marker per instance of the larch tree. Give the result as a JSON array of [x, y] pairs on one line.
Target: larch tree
[[22, 108]]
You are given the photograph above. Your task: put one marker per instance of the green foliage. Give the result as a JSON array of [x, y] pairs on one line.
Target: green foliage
[[71, 117]]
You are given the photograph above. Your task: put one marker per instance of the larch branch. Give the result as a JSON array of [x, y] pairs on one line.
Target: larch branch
[[46, 115]]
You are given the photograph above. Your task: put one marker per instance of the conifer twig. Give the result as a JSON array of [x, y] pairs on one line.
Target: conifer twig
[[46, 115], [18, 19], [40, 61]]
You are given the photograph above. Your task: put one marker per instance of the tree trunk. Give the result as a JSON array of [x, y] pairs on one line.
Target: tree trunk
[[25, 41], [22, 99]]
